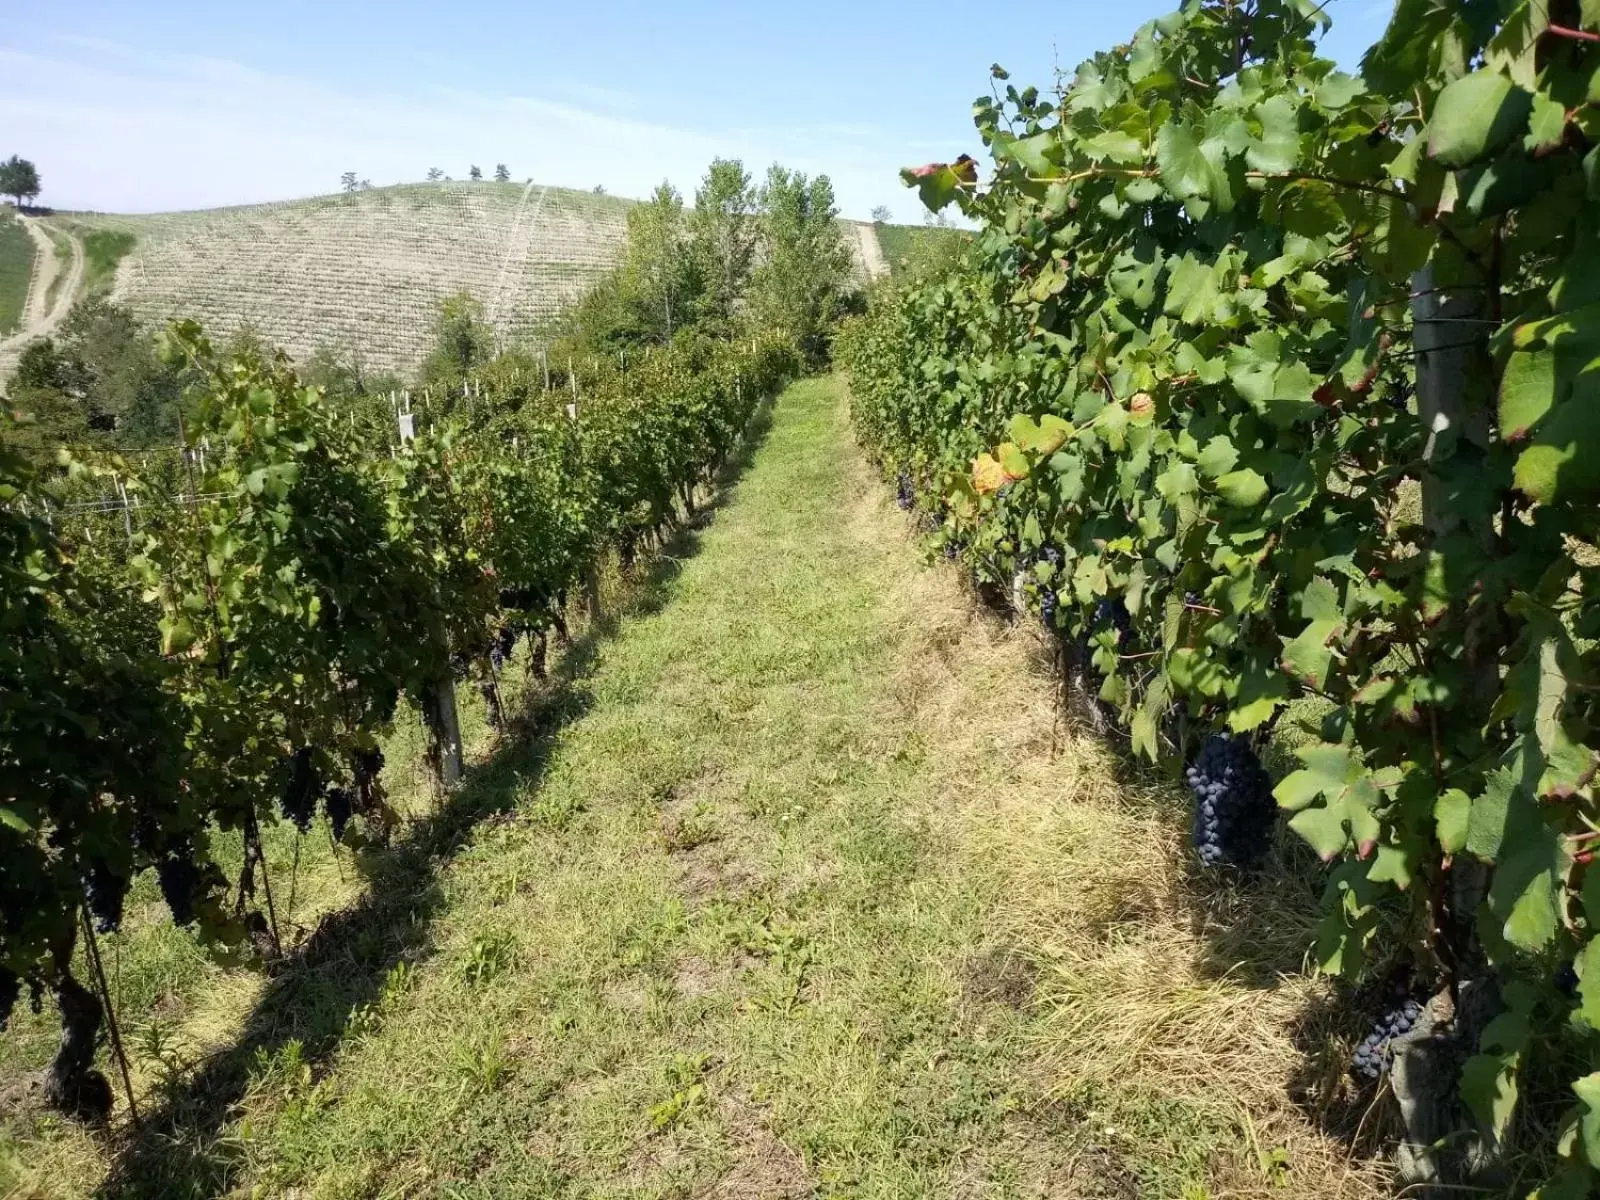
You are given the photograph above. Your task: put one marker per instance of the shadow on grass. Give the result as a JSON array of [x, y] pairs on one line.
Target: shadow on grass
[[180, 1148]]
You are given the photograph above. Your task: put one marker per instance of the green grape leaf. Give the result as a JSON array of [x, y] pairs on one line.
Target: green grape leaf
[[1261, 691], [1489, 1089], [1043, 436], [1587, 965], [1563, 461], [1531, 861], [1242, 489], [1176, 481], [1114, 144], [1452, 814], [1491, 814], [1278, 149], [1527, 392], [1547, 124], [1475, 116], [1191, 168], [1587, 1089], [1308, 657], [1218, 458], [1336, 775]]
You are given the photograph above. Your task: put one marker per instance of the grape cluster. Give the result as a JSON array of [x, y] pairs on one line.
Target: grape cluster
[[180, 878], [505, 643], [299, 800], [906, 496], [952, 549], [369, 764], [1048, 600], [104, 891], [1233, 806], [1566, 981], [10, 990], [1110, 610], [523, 598], [1048, 604], [338, 804], [1375, 1054]]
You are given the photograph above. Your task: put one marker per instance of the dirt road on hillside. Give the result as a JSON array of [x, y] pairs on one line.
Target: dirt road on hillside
[[39, 316], [871, 252]]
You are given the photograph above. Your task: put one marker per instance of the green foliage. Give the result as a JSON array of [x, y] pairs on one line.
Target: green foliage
[[292, 575], [1202, 262], [653, 294], [19, 178], [722, 232], [660, 278], [802, 283], [694, 271], [103, 251], [90, 745], [17, 252], [96, 384], [465, 341], [919, 250]]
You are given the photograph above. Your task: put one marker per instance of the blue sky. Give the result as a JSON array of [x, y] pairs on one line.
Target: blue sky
[[166, 104]]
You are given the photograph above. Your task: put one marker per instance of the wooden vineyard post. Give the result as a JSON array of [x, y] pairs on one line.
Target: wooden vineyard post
[[1454, 386], [591, 592], [445, 727]]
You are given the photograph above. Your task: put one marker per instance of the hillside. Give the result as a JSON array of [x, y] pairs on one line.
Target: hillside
[[902, 245], [366, 271]]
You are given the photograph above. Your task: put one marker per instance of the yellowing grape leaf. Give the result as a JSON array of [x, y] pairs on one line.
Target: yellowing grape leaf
[[988, 476]]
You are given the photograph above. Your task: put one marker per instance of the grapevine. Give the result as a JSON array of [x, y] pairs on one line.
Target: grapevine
[[1299, 365], [284, 590]]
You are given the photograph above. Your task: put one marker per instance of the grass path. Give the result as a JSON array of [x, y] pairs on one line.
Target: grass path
[[801, 893], [732, 970]]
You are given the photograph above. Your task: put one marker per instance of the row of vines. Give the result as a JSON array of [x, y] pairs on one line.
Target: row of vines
[[1275, 390], [230, 644]]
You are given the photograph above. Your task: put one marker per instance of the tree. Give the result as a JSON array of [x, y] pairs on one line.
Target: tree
[[803, 284], [473, 172], [366, 185], [463, 340], [502, 173], [722, 234], [662, 278], [881, 215], [599, 189], [97, 383], [435, 174], [19, 178], [347, 181]]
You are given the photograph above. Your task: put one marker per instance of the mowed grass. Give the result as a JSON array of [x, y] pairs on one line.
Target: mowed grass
[[62, 250], [792, 883], [17, 252], [103, 252]]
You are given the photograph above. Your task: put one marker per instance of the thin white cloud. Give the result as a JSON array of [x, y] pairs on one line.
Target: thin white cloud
[[117, 130]]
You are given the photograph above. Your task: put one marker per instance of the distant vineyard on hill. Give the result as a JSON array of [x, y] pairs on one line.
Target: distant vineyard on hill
[[365, 271]]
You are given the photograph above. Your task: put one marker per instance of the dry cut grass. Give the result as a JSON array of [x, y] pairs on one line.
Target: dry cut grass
[[1174, 1012]]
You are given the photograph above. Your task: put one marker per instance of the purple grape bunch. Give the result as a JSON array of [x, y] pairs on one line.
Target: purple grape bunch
[[1375, 1055], [1234, 810]]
